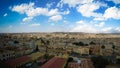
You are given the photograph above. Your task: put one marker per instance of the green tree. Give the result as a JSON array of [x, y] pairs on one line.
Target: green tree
[[113, 54], [46, 43], [103, 47], [16, 42], [92, 43], [113, 47]]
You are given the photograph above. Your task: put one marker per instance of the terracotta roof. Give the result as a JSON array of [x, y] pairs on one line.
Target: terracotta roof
[[18, 61], [54, 63]]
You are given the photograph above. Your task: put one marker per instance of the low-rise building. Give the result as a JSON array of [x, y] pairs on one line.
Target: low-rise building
[[83, 50], [55, 62], [6, 55], [14, 63], [73, 65]]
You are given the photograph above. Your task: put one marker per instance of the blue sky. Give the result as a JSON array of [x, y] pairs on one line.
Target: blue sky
[[90, 16]]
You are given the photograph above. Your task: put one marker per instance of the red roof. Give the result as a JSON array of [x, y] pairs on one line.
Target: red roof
[[54, 63], [73, 65], [18, 61]]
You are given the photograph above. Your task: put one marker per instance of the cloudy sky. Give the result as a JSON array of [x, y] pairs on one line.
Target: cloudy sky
[[91, 16]]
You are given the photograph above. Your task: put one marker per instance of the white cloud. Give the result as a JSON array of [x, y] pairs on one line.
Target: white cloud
[[101, 4], [56, 18], [50, 4], [100, 24], [27, 19], [86, 7], [88, 10], [111, 30], [112, 12], [66, 22], [115, 1], [107, 30], [34, 25], [5, 14], [80, 22], [22, 8], [81, 26], [86, 1], [53, 12], [31, 12], [73, 3], [99, 18], [37, 11], [65, 12], [84, 28]]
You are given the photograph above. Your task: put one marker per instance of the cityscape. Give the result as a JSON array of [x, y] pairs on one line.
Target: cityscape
[[60, 34], [59, 50]]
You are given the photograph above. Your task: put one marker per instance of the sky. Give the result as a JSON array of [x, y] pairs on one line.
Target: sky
[[89, 16]]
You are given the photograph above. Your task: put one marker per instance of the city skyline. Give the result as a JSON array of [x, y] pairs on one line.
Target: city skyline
[[90, 16]]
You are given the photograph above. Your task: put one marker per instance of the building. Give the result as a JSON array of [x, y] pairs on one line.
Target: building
[[95, 49], [6, 55], [83, 50], [14, 63], [73, 65], [86, 63], [55, 62]]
